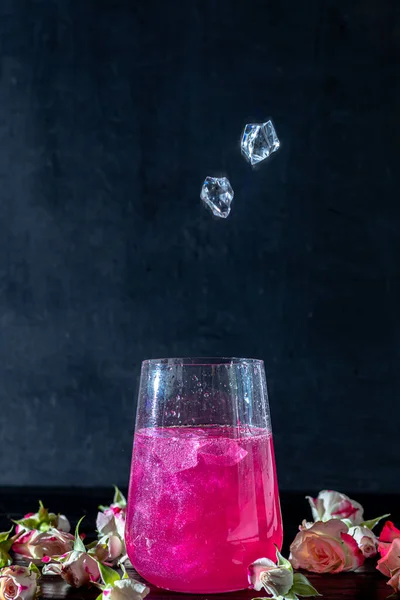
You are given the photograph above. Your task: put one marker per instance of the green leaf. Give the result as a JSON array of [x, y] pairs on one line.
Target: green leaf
[[119, 498], [33, 567], [4, 535], [5, 558], [43, 513], [79, 546], [348, 522], [92, 545], [283, 562], [6, 546], [100, 596], [124, 571], [29, 523], [108, 575], [374, 522], [302, 587]]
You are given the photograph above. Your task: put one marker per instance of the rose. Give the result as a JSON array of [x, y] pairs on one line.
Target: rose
[[111, 521], [110, 524], [18, 583], [125, 589], [276, 580], [35, 544], [394, 581], [388, 534], [334, 505], [42, 521], [366, 540], [115, 587], [111, 527], [389, 548], [325, 548], [109, 548], [76, 568], [63, 524], [389, 564]]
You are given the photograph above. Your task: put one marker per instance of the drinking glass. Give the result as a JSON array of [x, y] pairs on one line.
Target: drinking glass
[[203, 497]]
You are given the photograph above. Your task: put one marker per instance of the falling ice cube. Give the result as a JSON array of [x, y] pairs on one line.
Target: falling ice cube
[[259, 141], [217, 193]]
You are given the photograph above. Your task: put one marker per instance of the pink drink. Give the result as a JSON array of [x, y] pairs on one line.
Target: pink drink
[[203, 504]]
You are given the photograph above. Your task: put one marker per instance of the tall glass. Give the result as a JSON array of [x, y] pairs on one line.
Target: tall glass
[[203, 497]]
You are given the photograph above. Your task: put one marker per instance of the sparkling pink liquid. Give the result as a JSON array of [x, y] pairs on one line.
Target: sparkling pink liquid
[[203, 504]]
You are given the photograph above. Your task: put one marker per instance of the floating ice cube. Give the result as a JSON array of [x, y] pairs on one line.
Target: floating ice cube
[[259, 141], [222, 452], [177, 455], [217, 193]]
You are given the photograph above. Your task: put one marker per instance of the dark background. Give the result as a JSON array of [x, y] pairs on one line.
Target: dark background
[[111, 114]]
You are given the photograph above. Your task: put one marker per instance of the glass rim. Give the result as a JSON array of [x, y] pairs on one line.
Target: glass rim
[[202, 361]]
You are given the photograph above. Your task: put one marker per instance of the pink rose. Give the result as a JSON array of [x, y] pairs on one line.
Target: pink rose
[[76, 568], [388, 534], [18, 583], [334, 505], [326, 548], [389, 564], [35, 544], [394, 581], [366, 540]]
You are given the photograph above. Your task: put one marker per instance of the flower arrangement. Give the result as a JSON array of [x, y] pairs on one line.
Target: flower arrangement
[[338, 539]]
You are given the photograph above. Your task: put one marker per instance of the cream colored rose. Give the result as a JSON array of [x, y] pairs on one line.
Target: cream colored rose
[[325, 548], [18, 583]]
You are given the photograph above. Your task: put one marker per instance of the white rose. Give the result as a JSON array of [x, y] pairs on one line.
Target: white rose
[[366, 540], [334, 505], [126, 589], [111, 521], [264, 573], [110, 525], [18, 583], [77, 569], [109, 549], [36, 544]]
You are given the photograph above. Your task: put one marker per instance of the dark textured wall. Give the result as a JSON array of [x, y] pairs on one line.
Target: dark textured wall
[[111, 115]]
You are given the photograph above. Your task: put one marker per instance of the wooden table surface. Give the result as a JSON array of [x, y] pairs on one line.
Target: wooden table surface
[[368, 584]]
